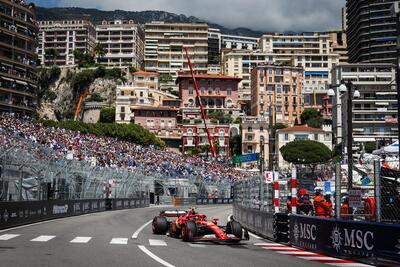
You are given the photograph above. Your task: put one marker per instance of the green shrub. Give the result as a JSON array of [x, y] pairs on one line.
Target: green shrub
[[128, 132]]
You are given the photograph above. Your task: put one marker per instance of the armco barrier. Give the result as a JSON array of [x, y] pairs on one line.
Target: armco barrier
[[361, 240], [25, 212], [259, 222]]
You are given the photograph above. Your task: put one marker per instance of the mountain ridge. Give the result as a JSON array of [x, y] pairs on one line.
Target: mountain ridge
[[142, 17]]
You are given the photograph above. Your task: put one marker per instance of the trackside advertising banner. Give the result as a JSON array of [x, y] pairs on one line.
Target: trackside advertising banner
[[345, 238], [24, 212]]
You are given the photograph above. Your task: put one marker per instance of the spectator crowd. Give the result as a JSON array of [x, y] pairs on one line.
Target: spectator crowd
[[111, 152]]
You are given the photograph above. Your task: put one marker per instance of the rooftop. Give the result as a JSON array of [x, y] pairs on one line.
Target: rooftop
[[300, 128]]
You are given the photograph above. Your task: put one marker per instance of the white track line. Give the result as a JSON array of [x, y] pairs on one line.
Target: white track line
[[81, 239], [119, 241], [269, 244], [157, 242], [350, 264], [322, 258], [155, 257], [296, 252], [136, 234], [43, 238], [7, 237]]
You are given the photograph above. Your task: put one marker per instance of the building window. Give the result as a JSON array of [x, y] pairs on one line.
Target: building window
[[261, 129], [286, 137], [316, 137], [122, 109], [229, 91], [250, 129], [190, 90], [141, 93]]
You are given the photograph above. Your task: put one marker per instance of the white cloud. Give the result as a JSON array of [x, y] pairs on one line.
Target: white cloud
[[265, 15]]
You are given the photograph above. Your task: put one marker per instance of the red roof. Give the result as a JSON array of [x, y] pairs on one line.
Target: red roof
[[300, 128], [145, 73]]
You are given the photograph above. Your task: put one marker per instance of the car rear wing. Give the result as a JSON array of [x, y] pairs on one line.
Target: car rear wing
[[172, 213]]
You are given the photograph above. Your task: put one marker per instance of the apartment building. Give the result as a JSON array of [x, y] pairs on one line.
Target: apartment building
[[217, 92], [165, 45], [374, 113], [287, 135], [371, 31], [240, 63], [276, 93], [238, 42], [194, 136], [65, 37], [214, 47], [313, 52], [18, 40], [123, 42], [142, 92], [253, 130], [338, 45]]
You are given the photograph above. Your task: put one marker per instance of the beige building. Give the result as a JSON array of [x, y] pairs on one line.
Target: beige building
[[338, 45], [239, 63], [276, 93], [123, 42], [64, 36], [313, 52], [142, 92], [253, 130], [291, 134], [165, 43]]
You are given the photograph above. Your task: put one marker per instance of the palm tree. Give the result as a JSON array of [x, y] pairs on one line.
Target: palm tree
[[53, 53], [78, 55], [98, 51]]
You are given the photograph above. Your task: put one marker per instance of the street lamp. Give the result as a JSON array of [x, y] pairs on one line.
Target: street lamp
[[347, 88]]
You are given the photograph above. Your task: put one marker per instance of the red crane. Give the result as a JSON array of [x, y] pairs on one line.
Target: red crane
[[203, 115], [79, 106]]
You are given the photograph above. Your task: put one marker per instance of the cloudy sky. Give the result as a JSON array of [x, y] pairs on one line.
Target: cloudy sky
[[264, 15]]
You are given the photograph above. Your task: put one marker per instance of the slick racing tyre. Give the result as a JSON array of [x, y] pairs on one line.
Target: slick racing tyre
[[234, 228], [189, 231], [160, 225]]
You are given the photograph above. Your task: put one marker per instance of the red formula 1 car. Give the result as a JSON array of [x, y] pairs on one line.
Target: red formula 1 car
[[192, 226]]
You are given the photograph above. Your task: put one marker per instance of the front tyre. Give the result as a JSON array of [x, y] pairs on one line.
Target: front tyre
[[234, 228], [189, 231]]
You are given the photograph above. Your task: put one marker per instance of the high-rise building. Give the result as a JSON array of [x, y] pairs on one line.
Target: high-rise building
[[165, 45], [276, 93], [214, 46], [123, 42], [374, 113], [59, 39], [371, 31], [240, 63], [18, 39], [311, 51]]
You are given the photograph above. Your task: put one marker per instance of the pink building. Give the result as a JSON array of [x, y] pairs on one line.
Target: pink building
[[217, 92], [161, 121]]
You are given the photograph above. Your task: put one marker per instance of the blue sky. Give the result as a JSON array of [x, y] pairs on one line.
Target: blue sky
[[272, 15]]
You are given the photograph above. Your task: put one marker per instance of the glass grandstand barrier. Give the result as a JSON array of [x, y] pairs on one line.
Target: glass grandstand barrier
[[29, 172]]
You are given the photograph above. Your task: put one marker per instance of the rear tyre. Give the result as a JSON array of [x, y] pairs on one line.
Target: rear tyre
[[160, 225], [234, 228], [189, 231]]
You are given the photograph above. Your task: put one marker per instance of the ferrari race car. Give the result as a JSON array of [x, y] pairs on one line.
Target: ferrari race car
[[191, 226]]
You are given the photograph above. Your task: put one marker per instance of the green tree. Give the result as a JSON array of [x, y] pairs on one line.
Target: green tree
[[51, 53], [370, 147], [219, 116], [235, 145], [279, 126], [306, 152], [98, 52], [313, 115], [315, 122], [79, 56], [107, 115], [165, 78]]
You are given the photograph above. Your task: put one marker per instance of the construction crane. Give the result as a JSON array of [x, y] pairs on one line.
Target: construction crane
[[79, 106], [203, 115]]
